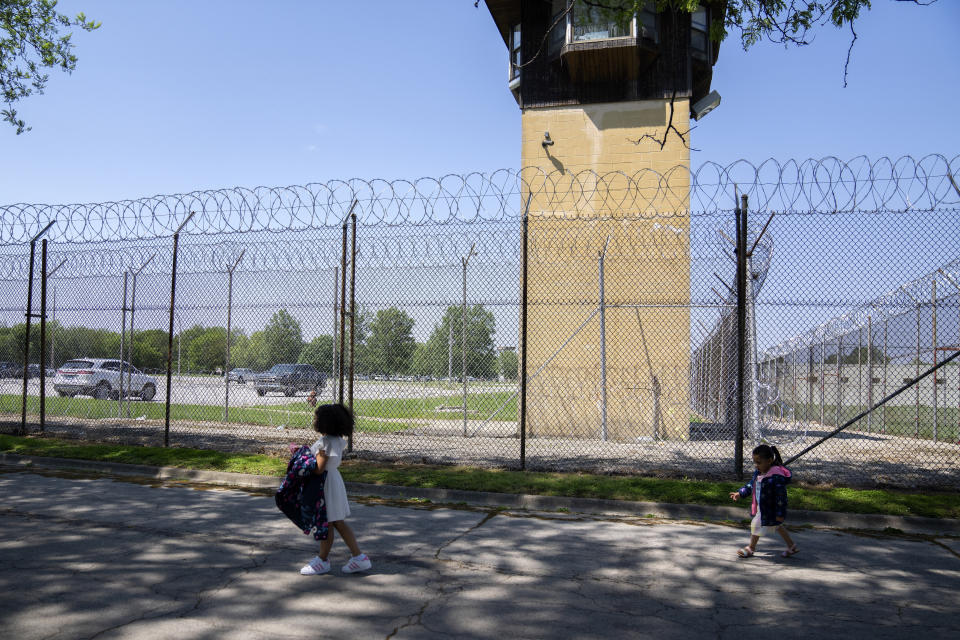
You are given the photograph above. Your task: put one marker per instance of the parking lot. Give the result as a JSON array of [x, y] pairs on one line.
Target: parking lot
[[212, 391]]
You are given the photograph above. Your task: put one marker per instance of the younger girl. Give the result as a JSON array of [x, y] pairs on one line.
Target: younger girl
[[334, 423], [768, 486]]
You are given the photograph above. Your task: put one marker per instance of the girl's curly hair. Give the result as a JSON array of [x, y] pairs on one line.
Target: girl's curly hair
[[333, 420]]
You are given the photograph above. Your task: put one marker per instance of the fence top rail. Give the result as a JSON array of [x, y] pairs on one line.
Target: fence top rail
[[824, 185]]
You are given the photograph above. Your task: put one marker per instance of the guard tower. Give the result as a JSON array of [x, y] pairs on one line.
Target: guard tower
[[597, 89]]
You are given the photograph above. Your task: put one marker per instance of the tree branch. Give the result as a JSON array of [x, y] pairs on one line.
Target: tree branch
[[846, 65]]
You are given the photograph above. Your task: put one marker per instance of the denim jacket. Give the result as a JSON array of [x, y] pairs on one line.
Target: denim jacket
[[773, 495]]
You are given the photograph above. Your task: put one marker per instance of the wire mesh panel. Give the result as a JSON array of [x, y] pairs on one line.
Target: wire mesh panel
[[436, 334], [895, 326], [404, 299], [13, 293]]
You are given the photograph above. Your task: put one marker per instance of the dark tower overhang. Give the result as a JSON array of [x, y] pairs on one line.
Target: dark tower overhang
[[562, 55]]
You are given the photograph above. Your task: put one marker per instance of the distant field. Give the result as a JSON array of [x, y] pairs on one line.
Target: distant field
[[894, 420], [372, 414]]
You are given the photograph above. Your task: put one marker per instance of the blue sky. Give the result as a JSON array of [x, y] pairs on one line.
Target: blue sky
[[183, 95]]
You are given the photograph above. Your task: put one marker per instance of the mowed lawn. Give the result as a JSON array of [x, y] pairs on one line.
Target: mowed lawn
[[377, 414]]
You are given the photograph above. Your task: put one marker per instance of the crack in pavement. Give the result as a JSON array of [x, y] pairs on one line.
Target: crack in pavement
[[441, 591], [490, 515], [202, 595]]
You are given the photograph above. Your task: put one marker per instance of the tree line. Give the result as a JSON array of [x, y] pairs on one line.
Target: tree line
[[383, 345]]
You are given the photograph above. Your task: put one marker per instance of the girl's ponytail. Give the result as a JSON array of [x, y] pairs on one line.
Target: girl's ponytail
[[769, 452], [777, 460]]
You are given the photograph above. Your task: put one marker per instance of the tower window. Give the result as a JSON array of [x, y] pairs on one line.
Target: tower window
[[647, 22], [558, 27], [515, 56], [699, 33], [596, 23]]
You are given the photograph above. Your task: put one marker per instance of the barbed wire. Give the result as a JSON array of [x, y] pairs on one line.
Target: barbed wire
[[825, 185], [907, 298], [291, 252]]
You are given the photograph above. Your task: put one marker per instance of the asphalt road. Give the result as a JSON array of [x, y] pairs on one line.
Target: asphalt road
[[85, 558]]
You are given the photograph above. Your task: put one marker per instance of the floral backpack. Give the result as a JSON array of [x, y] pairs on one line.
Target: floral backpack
[[300, 496]]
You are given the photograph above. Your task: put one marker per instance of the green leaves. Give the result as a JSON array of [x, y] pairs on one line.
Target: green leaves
[[31, 42], [391, 344]]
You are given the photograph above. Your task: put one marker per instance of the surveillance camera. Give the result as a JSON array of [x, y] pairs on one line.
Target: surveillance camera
[[705, 105]]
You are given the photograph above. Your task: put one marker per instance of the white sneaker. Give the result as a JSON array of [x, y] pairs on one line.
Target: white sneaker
[[357, 564], [315, 567]]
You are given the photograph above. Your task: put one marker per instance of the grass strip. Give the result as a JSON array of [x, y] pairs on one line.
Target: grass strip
[[155, 456], [292, 412], [580, 485]]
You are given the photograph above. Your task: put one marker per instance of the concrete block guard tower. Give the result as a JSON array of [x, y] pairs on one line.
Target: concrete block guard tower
[[598, 89]]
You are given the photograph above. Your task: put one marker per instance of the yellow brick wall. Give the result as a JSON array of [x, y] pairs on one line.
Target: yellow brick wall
[[647, 263]]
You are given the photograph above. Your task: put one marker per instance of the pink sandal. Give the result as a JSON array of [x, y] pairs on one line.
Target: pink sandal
[[792, 551], [745, 552]]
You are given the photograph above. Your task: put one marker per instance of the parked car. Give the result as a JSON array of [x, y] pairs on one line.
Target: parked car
[[101, 378], [290, 378], [10, 370], [241, 375]]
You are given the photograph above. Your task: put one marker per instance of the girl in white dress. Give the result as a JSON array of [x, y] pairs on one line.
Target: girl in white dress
[[334, 423]]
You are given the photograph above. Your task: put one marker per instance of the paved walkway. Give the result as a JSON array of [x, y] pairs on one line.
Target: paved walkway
[[101, 558]]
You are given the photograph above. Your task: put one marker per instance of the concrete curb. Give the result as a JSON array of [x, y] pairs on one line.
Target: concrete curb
[[906, 524]]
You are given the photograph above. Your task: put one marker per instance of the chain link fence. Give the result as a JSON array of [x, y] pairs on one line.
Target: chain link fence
[[610, 303]]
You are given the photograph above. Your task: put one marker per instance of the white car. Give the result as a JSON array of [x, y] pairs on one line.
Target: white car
[[101, 378]]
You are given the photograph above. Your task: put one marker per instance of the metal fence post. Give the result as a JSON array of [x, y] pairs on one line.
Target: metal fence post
[[523, 340], [173, 295], [933, 320], [603, 347], [226, 364], [792, 369], [916, 418], [886, 358], [870, 372], [26, 339], [129, 358], [839, 398], [343, 313], [463, 335], [823, 382], [741, 214], [123, 332], [43, 333], [26, 343], [752, 391], [334, 356], [860, 368], [133, 306], [353, 314], [810, 382]]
